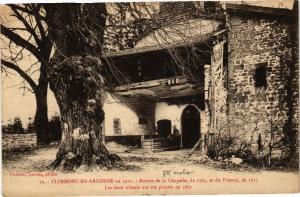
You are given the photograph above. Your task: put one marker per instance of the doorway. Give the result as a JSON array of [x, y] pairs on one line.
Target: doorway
[[164, 128], [190, 124]]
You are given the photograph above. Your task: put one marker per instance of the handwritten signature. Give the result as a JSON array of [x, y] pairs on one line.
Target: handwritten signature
[[166, 173]]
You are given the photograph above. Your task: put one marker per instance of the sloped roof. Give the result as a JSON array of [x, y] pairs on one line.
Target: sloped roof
[[178, 35], [275, 7], [277, 4], [182, 43], [179, 32]]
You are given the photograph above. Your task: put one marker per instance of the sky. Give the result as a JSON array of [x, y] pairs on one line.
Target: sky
[[14, 102]]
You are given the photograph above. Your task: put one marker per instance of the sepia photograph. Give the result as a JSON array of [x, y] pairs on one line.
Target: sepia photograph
[[149, 98]]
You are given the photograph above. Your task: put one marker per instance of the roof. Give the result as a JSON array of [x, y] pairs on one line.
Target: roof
[[178, 32], [145, 49], [278, 7], [175, 35], [277, 4]]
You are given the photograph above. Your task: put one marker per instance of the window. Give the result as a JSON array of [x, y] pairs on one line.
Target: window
[[142, 121], [117, 125], [260, 76], [210, 6]]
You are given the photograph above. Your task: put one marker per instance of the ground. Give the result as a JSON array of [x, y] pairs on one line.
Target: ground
[[143, 168]]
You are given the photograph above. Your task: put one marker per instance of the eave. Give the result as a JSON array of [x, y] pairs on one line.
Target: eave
[[233, 7], [192, 41], [161, 89]]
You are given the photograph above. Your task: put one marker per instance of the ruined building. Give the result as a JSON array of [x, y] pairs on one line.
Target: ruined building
[[210, 71]]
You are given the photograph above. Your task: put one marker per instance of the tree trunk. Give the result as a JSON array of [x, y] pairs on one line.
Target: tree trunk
[[41, 119], [41, 116], [79, 93], [81, 143], [75, 77]]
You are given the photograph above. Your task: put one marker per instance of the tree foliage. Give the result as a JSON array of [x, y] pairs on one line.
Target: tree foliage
[[15, 127]]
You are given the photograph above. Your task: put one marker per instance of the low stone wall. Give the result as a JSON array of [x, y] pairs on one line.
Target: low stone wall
[[18, 141]]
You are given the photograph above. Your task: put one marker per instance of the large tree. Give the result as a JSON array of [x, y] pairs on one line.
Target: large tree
[[76, 78], [28, 37]]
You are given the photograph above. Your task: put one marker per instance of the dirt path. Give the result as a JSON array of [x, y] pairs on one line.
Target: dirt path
[[148, 171]]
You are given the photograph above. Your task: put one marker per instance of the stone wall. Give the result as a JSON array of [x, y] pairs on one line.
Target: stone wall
[[218, 95], [18, 141], [294, 80], [261, 41]]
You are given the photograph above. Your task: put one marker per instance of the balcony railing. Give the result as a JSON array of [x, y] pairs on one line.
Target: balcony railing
[[159, 144]]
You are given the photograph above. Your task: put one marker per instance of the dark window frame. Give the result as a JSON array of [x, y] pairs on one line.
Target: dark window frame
[[117, 125], [260, 75], [143, 121]]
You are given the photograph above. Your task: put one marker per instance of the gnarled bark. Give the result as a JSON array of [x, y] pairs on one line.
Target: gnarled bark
[[75, 77], [78, 87]]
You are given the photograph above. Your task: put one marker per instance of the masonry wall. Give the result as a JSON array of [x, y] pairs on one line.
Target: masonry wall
[[17, 141], [253, 41], [295, 79]]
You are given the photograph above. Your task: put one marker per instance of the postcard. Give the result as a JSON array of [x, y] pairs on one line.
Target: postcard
[[150, 98]]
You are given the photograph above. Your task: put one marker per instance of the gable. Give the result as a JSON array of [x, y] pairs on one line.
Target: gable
[[182, 32]]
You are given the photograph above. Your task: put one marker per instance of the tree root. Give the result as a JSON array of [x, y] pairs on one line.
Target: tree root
[[70, 162]]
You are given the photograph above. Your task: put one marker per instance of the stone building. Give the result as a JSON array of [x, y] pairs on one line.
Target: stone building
[[263, 71], [242, 84]]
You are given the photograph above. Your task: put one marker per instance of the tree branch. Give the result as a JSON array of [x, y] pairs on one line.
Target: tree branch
[[18, 40], [20, 72], [26, 24], [38, 19], [24, 9]]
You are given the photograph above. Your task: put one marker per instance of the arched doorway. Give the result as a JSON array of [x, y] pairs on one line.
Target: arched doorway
[[190, 124]]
